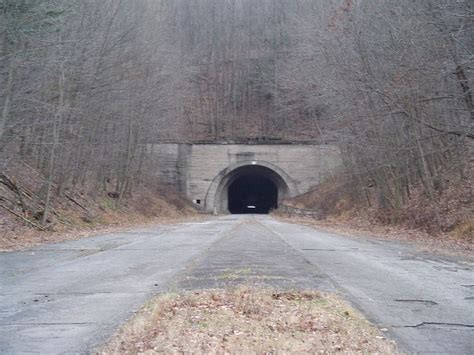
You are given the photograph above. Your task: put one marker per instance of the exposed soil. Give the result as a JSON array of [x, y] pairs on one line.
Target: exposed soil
[[248, 320]]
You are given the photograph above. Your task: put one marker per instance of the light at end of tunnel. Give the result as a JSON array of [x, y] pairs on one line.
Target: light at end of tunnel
[[254, 163]]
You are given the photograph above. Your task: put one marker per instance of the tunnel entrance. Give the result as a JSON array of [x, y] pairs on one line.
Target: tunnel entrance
[[252, 194], [256, 187]]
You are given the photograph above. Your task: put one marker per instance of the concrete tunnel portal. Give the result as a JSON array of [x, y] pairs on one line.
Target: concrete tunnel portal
[[250, 188], [215, 176]]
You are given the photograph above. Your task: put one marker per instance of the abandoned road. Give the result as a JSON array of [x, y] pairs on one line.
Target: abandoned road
[[69, 297]]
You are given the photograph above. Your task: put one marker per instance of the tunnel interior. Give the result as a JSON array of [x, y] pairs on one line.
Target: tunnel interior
[[252, 193]]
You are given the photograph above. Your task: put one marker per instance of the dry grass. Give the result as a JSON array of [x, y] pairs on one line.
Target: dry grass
[[99, 212], [248, 320], [23, 237], [71, 223], [363, 227], [414, 222]]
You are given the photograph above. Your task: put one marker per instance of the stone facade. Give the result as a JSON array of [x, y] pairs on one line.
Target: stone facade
[[203, 171]]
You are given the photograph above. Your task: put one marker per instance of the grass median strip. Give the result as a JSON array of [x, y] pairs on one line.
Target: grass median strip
[[248, 320]]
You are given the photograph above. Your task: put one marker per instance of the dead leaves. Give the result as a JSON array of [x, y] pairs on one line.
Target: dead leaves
[[248, 320], [296, 296]]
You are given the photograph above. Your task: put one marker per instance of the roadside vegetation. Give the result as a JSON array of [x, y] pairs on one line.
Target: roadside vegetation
[[79, 212], [248, 320], [87, 87], [335, 206]]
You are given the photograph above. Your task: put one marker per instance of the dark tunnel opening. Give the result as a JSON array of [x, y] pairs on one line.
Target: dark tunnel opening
[[252, 194]]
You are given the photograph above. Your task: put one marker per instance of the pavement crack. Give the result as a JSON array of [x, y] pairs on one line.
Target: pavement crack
[[422, 324], [432, 303], [306, 249]]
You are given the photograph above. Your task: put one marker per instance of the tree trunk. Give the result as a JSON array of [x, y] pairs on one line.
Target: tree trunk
[[52, 156], [7, 100]]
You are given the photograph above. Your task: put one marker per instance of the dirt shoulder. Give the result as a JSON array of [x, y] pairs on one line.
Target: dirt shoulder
[[443, 244], [80, 211], [27, 238], [248, 320]]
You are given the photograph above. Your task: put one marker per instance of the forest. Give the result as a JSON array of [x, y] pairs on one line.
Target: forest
[[87, 85]]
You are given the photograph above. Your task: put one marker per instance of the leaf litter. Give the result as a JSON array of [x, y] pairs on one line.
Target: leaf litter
[[248, 320]]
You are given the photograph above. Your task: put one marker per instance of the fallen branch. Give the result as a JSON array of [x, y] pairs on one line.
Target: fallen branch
[[4, 199], [23, 218], [77, 203], [12, 185]]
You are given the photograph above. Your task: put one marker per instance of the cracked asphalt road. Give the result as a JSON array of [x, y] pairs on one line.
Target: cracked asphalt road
[[69, 297]]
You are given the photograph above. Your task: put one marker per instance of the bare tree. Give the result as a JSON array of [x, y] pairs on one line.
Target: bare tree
[[389, 82]]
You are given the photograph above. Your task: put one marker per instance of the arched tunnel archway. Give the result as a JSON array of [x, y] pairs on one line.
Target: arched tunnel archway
[[250, 188]]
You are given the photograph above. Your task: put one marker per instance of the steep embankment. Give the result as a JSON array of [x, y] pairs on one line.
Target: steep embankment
[[76, 212], [445, 225]]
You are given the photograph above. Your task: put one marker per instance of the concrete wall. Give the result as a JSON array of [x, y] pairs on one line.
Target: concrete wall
[[197, 169], [168, 165]]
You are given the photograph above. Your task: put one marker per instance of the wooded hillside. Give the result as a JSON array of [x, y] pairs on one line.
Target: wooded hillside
[[85, 85]]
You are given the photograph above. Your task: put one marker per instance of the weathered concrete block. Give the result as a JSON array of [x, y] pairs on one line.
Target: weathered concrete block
[[203, 172]]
